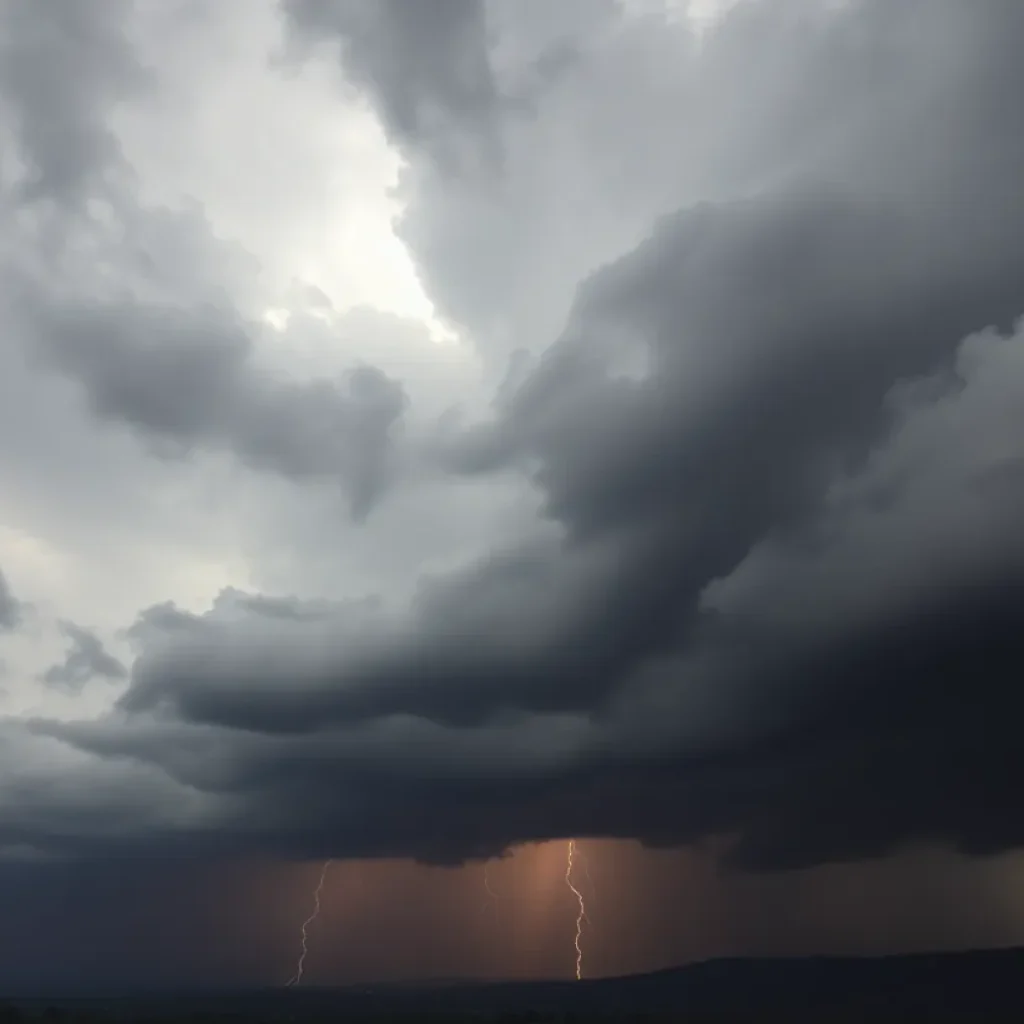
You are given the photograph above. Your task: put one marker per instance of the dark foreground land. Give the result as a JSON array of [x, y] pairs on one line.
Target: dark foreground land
[[965, 986]]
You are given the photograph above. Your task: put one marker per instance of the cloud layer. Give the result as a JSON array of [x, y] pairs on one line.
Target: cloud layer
[[733, 505]]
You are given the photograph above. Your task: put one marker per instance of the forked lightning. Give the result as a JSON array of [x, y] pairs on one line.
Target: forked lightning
[[582, 907], [296, 978]]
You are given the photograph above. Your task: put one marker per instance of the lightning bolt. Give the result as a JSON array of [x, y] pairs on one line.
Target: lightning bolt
[[296, 978], [582, 907], [592, 894]]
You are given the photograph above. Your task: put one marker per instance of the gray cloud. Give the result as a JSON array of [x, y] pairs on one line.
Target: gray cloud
[[86, 659], [646, 122], [426, 66], [10, 606], [185, 378], [165, 351], [64, 141]]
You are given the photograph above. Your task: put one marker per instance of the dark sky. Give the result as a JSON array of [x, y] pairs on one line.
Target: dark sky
[[435, 429]]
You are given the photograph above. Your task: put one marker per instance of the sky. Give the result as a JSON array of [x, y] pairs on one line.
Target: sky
[[434, 430]]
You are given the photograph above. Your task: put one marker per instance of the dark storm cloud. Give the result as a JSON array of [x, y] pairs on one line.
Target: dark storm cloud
[[780, 449], [86, 658], [849, 685], [852, 299], [899, 733]]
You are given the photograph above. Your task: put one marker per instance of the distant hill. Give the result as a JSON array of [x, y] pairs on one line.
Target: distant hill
[[965, 985]]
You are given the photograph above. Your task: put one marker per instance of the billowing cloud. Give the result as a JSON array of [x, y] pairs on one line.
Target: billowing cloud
[[732, 545], [184, 378]]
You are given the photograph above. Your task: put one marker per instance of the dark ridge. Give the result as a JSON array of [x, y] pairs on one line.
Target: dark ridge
[[963, 986]]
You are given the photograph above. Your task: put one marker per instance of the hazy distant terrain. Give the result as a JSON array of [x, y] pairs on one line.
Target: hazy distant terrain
[[957, 985]]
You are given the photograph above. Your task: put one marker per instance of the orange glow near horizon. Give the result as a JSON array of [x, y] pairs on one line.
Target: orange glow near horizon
[[399, 920], [374, 899]]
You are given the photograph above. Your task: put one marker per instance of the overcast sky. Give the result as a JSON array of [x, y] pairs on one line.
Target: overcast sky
[[429, 427]]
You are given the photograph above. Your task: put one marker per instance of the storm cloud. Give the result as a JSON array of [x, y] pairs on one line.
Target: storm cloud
[[734, 546]]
